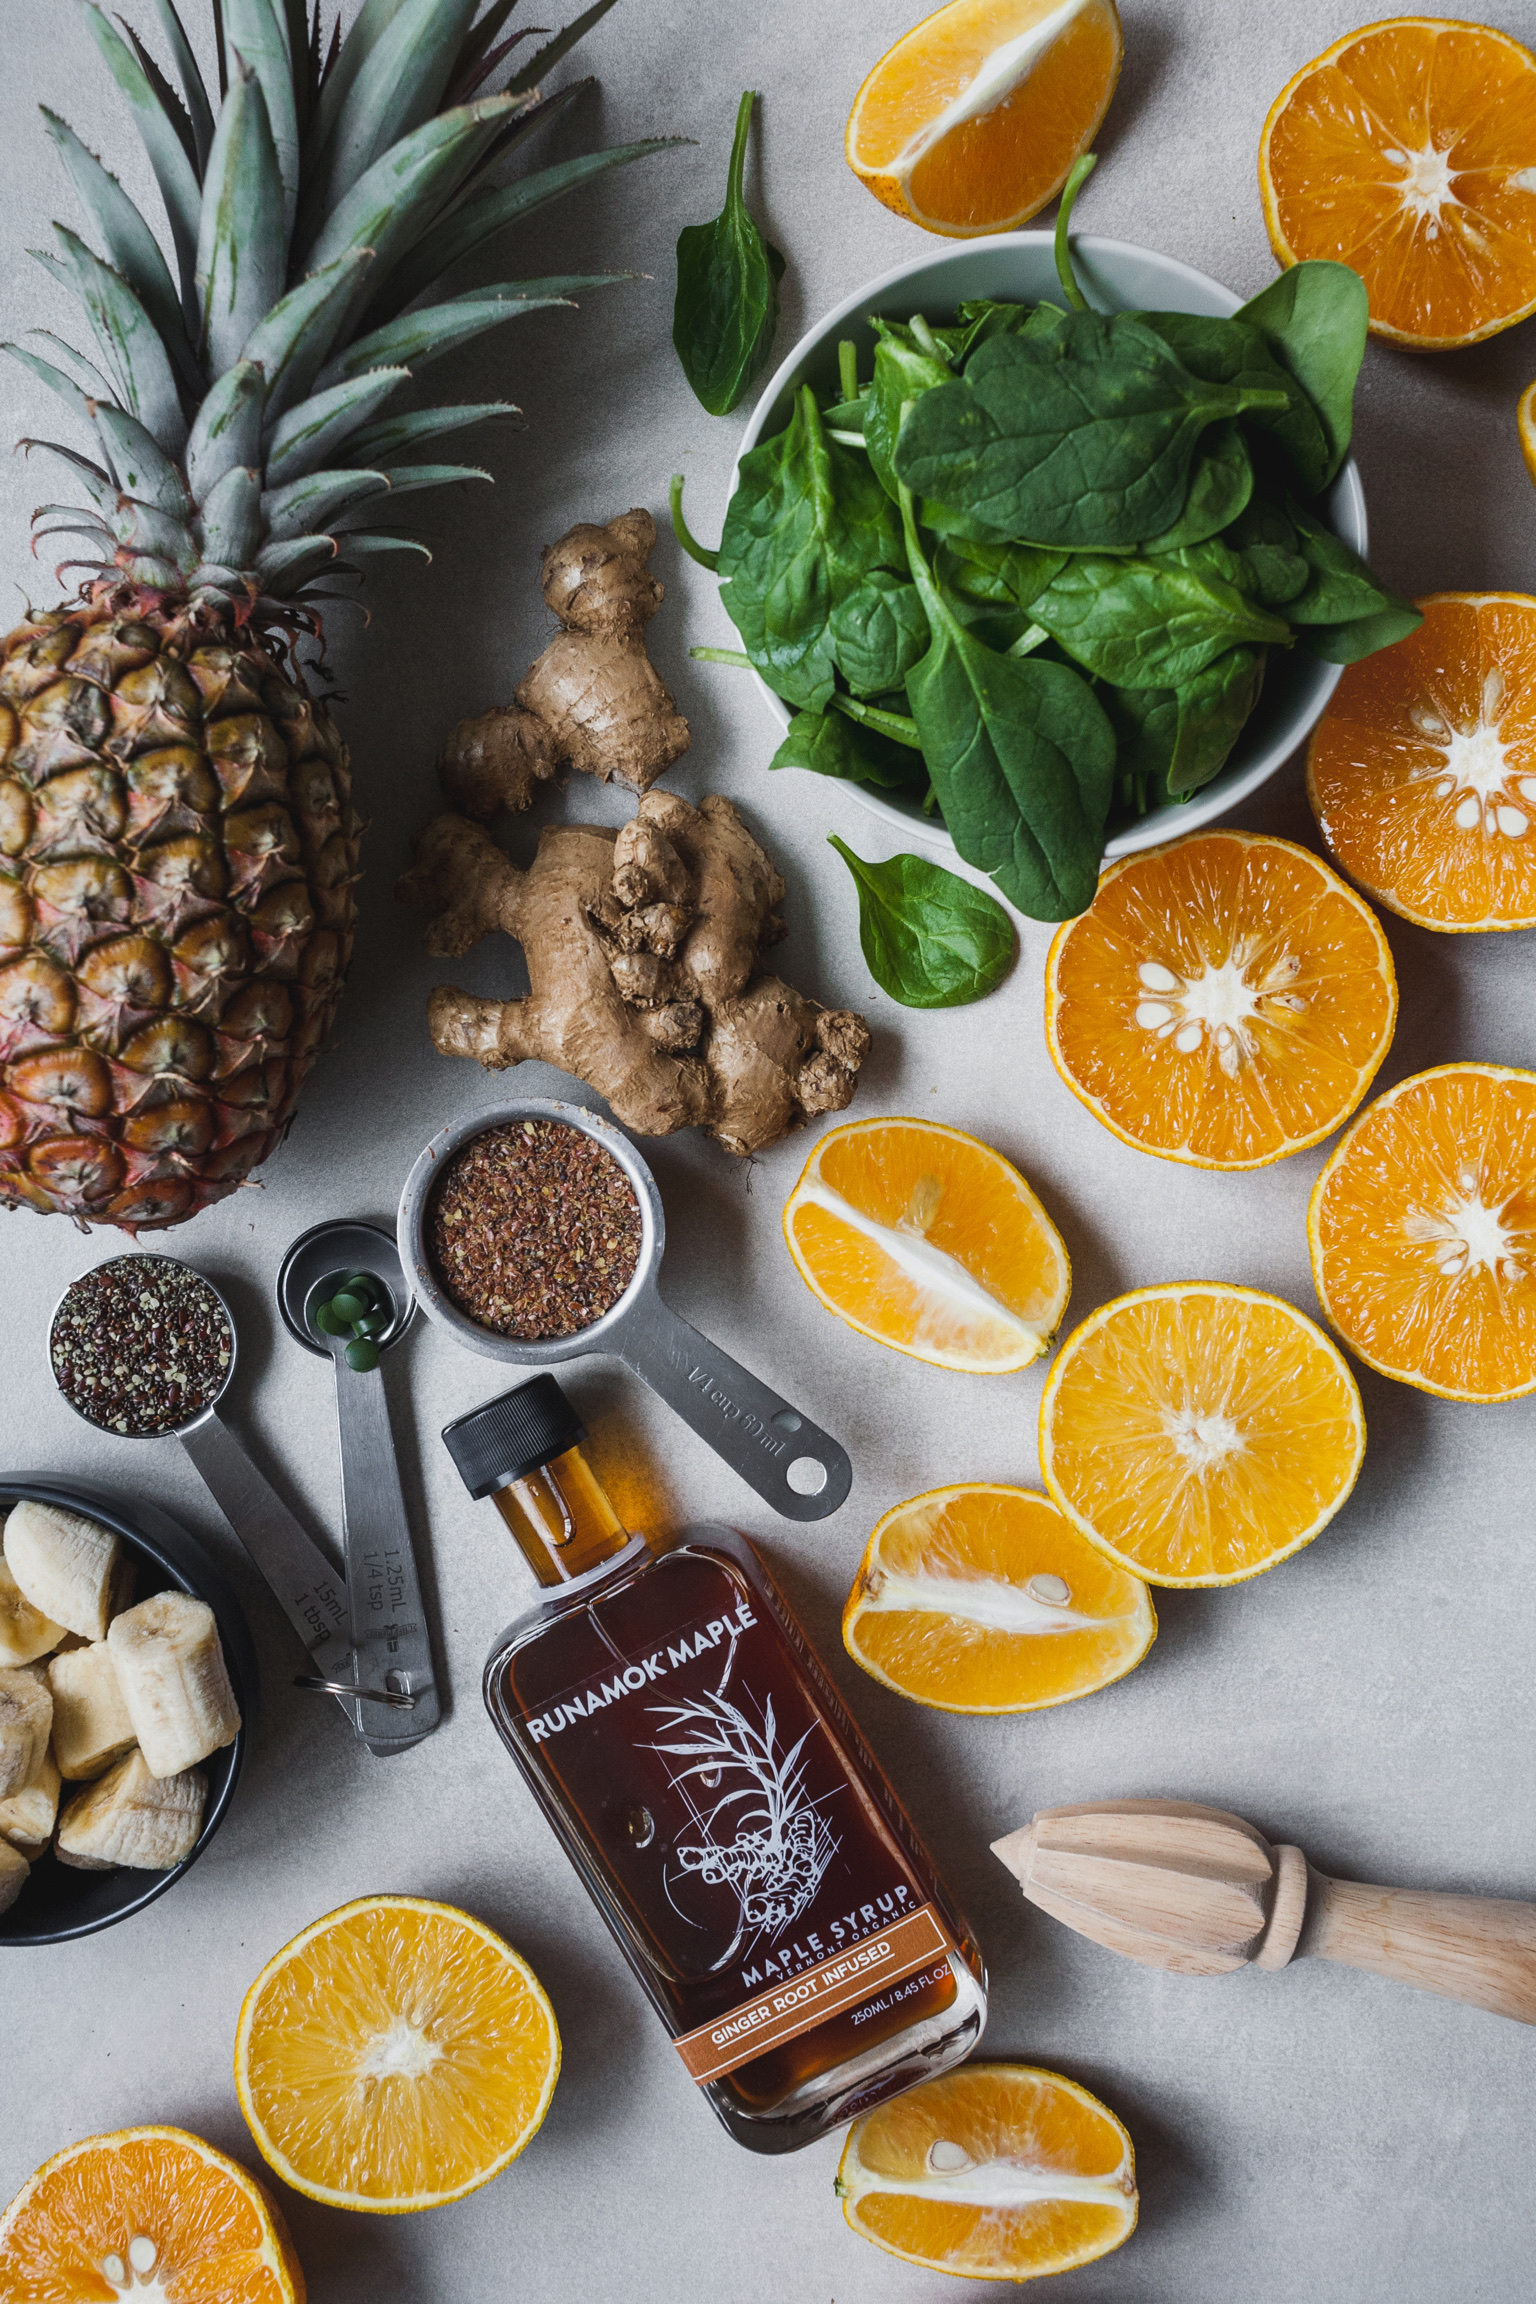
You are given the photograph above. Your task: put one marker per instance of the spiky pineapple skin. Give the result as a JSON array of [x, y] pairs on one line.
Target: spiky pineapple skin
[[178, 854]]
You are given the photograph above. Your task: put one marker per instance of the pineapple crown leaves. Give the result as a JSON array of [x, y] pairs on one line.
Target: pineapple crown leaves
[[235, 388]]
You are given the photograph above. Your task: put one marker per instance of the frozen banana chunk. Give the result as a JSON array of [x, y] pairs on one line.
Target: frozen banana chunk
[[15, 1872], [26, 1717], [170, 1669], [130, 1817], [25, 1632], [91, 1727], [27, 1817], [73, 1571]]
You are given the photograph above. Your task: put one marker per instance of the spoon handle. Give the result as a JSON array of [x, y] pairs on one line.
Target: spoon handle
[[310, 1592], [389, 1623], [795, 1466]]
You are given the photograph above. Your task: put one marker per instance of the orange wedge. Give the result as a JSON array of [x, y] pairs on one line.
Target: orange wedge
[[930, 1242], [1200, 1433], [994, 2172], [395, 2055], [146, 2212], [1525, 417], [972, 121], [1422, 772], [1223, 1001], [986, 1599], [1423, 1233], [1408, 150]]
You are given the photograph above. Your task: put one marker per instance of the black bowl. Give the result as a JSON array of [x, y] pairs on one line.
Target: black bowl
[[59, 1902]]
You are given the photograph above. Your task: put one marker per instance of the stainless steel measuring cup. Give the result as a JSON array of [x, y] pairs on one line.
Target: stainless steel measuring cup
[[310, 1591], [799, 1469], [389, 1624]]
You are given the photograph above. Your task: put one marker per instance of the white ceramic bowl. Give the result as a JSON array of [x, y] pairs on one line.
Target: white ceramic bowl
[[1116, 277]]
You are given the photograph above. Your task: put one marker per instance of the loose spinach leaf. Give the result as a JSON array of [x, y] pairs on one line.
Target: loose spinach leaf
[[1340, 587], [878, 633], [807, 524], [1219, 488], [1314, 319], [1362, 635], [1146, 623], [1231, 352], [903, 372], [830, 745], [929, 938], [1021, 755], [1212, 708], [727, 302], [1081, 437]]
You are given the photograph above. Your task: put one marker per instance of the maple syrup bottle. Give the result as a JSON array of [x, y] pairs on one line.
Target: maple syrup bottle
[[725, 1814]]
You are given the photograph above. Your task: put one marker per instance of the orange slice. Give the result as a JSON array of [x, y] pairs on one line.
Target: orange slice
[[986, 1599], [930, 1242], [972, 121], [1423, 1233], [994, 2172], [1408, 149], [1525, 417], [1200, 1433], [1422, 772], [395, 2055], [146, 2212], [1223, 1001]]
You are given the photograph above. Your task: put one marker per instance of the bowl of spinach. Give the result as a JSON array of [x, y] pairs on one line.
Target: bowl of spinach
[[1054, 549]]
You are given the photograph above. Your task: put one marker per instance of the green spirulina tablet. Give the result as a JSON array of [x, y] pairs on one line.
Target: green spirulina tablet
[[362, 1355], [349, 1307], [327, 1322]]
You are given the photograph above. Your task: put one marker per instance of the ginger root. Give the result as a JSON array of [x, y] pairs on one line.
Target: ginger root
[[593, 700], [644, 949]]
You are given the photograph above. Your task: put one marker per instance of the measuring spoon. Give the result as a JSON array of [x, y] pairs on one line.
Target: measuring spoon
[[389, 1624], [795, 1466]]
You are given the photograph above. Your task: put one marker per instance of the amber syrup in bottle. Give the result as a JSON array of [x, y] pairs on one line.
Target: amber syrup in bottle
[[725, 1814]]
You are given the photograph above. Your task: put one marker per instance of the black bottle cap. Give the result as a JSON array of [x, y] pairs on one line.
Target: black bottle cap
[[508, 1438]]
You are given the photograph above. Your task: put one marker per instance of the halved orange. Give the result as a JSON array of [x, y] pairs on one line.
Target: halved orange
[[1422, 772], [1423, 1233], [929, 1241], [1200, 1433], [991, 2172], [146, 2212], [972, 121], [395, 2055], [1408, 150], [980, 1598], [1223, 1001]]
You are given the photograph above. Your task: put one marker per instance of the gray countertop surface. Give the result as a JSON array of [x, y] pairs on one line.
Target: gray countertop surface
[[1312, 2137]]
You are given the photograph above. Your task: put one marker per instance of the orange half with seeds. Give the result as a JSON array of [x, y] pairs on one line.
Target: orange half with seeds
[[1408, 150], [972, 121]]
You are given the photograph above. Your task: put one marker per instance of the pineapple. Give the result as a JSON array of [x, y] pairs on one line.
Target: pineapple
[[178, 841]]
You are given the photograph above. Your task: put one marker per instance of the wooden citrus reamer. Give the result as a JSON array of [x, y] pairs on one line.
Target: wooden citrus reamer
[[1200, 1892]]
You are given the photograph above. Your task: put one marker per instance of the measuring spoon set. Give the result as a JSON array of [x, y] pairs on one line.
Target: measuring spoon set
[[363, 1624]]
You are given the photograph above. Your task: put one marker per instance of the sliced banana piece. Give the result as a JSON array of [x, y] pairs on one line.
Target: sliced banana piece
[[27, 1817], [26, 1716], [170, 1668], [131, 1817], [15, 1872], [25, 1632], [68, 1567], [91, 1727]]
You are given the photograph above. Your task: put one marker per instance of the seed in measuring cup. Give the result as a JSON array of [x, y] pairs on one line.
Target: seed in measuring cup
[[534, 1230], [141, 1345]]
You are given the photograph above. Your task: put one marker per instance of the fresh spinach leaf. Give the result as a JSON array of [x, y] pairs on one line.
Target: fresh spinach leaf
[[1264, 541], [1080, 438], [1362, 635], [830, 745], [928, 937], [1212, 709], [727, 302], [1231, 352], [1152, 623], [903, 372], [1006, 575], [1146, 726], [807, 524], [1021, 755], [878, 633], [1340, 587], [1219, 488], [1314, 319]]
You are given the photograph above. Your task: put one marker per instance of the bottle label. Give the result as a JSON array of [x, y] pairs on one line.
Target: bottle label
[[865, 1973]]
